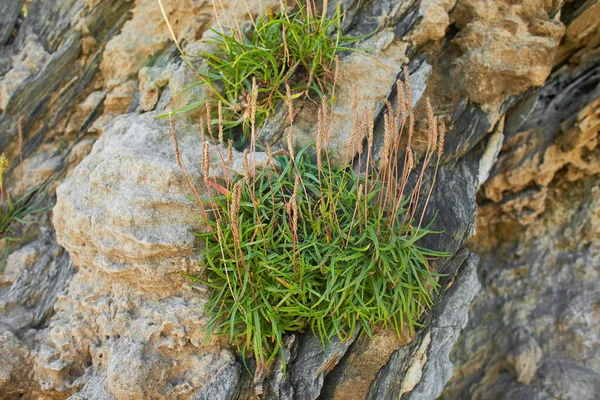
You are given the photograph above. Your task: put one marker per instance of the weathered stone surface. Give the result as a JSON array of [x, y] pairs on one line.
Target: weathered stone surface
[[312, 364], [533, 332], [507, 48], [119, 321], [31, 59]]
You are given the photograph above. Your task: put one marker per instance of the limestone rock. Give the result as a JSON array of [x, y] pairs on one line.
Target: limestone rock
[[31, 59], [109, 316], [507, 48], [124, 208], [435, 21], [538, 334]]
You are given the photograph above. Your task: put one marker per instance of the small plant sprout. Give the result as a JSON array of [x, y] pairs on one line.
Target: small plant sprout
[[307, 245]]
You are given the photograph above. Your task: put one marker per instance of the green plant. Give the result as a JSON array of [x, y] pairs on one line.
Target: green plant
[[14, 211], [297, 49], [305, 244]]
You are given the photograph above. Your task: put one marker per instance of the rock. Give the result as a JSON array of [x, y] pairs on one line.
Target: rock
[[124, 209], [581, 36], [124, 217], [8, 18], [13, 355], [537, 335], [31, 59], [146, 34], [312, 364], [18, 260], [509, 47], [152, 79], [111, 317], [352, 378], [525, 357], [435, 21], [572, 147], [120, 95]]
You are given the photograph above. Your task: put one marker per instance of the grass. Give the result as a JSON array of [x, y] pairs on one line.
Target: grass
[[307, 245], [297, 50]]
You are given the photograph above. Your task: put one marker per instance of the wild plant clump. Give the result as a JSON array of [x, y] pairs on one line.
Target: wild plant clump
[[298, 49], [309, 245]]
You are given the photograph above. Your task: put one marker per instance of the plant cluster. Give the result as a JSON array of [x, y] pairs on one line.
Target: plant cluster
[[305, 244], [298, 49]]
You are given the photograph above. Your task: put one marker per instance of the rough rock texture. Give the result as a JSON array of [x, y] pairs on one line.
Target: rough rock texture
[[534, 331], [93, 306]]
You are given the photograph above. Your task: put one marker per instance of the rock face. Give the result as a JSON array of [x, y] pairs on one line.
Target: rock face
[[533, 331], [92, 301]]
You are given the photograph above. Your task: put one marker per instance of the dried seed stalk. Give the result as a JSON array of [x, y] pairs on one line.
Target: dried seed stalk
[[220, 112]]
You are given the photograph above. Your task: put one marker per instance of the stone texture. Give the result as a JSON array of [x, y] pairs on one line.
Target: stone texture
[[108, 316], [31, 59], [124, 217], [424, 364], [507, 48], [537, 332]]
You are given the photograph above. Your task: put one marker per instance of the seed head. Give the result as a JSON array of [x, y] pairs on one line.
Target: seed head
[[411, 159], [230, 150], [408, 90], [220, 235], [205, 160], [387, 140], [369, 117], [296, 185], [401, 102], [324, 111], [432, 121], [202, 130], [319, 140], [294, 205], [409, 102], [442, 133], [235, 209], [253, 101], [270, 154], [3, 166], [359, 137]]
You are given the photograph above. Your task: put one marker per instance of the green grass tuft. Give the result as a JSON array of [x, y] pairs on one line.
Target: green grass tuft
[[297, 49], [310, 247]]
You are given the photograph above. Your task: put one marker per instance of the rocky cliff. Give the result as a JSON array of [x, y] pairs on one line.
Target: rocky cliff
[[93, 304]]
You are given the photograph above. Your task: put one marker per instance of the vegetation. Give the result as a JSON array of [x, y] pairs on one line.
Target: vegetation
[[14, 210], [297, 49], [304, 244]]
